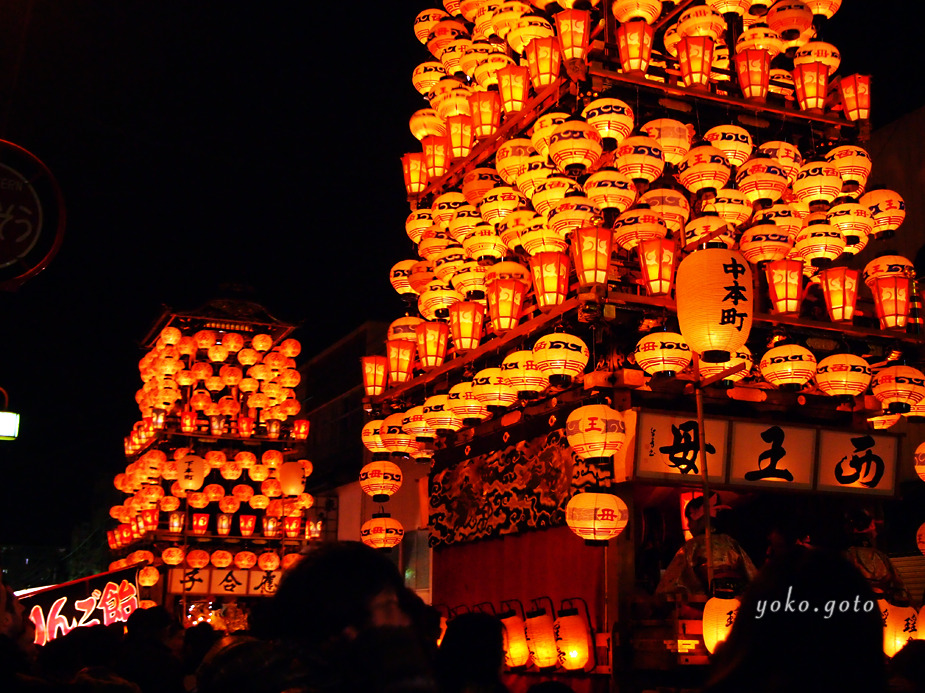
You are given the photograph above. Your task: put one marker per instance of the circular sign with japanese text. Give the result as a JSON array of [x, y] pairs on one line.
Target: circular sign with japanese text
[[31, 215]]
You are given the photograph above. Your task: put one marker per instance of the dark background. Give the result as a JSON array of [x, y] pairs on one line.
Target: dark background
[[204, 143]]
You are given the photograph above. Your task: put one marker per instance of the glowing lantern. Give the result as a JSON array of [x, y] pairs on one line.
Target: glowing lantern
[[662, 353], [528, 28], [197, 559], [899, 626], [168, 503], [898, 388], [596, 516], [432, 342], [890, 281], [855, 96], [415, 424], [853, 165], [855, 223], [762, 180], [704, 169], [753, 69], [595, 431], [257, 502], [718, 616], [572, 212], [656, 260], [543, 128], [811, 81], [415, 174], [148, 576], [507, 284], [173, 555], [612, 118], [695, 57], [636, 225], [192, 472], [436, 155], [394, 437], [818, 243], [573, 27], [270, 525], [550, 279], [520, 368], [673, 138], [591, 247], [229, 505], [629, 10], [575, 146], [371, 438], [609, 189], [268, 561], [640, 158], [715, 302], [439, 417], [733, 141], [919, 461], [788, 366], [463, 404], [291, 478], [486, 71], [460, 136], [492, 389], [764, 242], [245, 560], [543, 61], [466, 321], [817, 184], [840, 288], [573, 640], [541, 639], [785, 284], [382, 531], [400, 354], [514, 88], [511, 159], [843, 375], [516, 652], [547, 193], [634, 42], [561, 356], [888, 210], [741, 356], [246, 523], [669, 204], [380, 480], [485, 112]]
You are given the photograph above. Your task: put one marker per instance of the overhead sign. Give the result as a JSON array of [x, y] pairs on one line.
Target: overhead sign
[[230, 581]]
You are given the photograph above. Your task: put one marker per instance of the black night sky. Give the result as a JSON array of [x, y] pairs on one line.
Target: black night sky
[[203, 143]]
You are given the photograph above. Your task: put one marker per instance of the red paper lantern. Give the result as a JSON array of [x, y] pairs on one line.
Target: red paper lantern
[[840, 288], [811, 81], [415, 173], [466, 324], [855, 96], [657, 262], [460, 133], [485, 111], [695, 57], [634, 41], [785, 284], [753, 68], [514, 88], [432, 340], [436, 155], [550, 278], [543, 61], [591, 247], [573, 28], [400, 354]]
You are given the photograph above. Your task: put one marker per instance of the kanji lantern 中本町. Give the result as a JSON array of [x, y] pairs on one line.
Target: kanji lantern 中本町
[[595, 431], [596, 516], [840, 289], [662, 353], [843, 375], [788, 366], [382, 531], [380, 480], [898, 388], [561, 356], [573, 639], [541, 639], [718, 616], [714, 302]]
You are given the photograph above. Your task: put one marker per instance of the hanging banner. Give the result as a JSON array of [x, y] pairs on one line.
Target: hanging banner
[[668, 447], [99, 599], [764, 454]]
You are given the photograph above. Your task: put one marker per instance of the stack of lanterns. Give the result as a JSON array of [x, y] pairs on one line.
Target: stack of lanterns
[[221, 457]]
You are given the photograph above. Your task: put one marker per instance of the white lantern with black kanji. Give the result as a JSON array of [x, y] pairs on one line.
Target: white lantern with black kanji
[[662, 353], [843, 375], [595, 430], [561, 356], [596, 516], [714, 302], [788, 366], [718, 616], [898, 388], [380, 480], [524, 375]]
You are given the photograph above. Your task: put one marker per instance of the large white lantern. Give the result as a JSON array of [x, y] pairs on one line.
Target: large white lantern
[[898, 388], [788, 366], [595, 430], [561, 356], [718, 616], [662, 353], [715, 302], [843, 375], [596, 516]]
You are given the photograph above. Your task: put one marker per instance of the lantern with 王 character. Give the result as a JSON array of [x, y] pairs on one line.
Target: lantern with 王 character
[[372, 440], [785, 285], [898, 388], [148, 576], [889, 279], [855, 223], [516, 651], [382, 531], [854, 91], [843, 375], [634, 43], [887, 209], [561, 356], [541, 639], [704, 169], [595, 431], [656, 260], [292, 478], [788, 366], [575, 146], [840, 289], [718, 616], [543, 61], [662, 354], [491, 388], [173, 555], [714, 302], [573, 639], [507, 284], [695, 58], [380, 480]]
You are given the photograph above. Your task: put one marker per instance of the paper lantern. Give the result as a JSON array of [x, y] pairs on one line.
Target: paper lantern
[[818, 243], [381, 532], [492, 389], [714, 302], [840, 289], [656, 260], [855, 223], [575, 146], [573, 640], [245, 560], [561, 356], [741, 356], [817, 184], [610, 189], [520, 368], [843, 375], [640, 158], [550, 191], [380, 480], [425, 76], [733, 141], [612, 118], [550, 279], [669, 204], [460, 132], [573, 29], [439, 417], [197, 559], [246, 523], [400, 354], [528, 28], [762, 180], [788, 366], [543, 61], [719, 615], [919, 462], [811, 81], [898, 388], [764, 242], [463, 404], [511, 158], [634, 43], [393, 437], [753, 70], [291, 478], [466, 324], [591, 247], [596, 516], [541, 639], [629, 10], [514, 88], [662, 353], [854, 91], [899, 626], [695, 58], [853, 165], [270, 525], [192, 472], [572, 212], [887, 208], [173, 555], [485, 112], [268, 561], [637, 225], [516, 651], [450, 260], [785, 285], [704, 169], [148, 576], [890, 281], [507, 285], [673, 137], [595, 430], [432, 340], [414, 172]]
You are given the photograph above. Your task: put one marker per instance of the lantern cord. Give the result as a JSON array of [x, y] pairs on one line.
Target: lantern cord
[[704, 473]]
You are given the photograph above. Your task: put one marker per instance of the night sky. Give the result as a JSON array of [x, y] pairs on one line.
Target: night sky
[[200, 144]]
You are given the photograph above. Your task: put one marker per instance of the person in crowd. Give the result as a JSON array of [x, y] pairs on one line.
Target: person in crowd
[[875, 566], [786, 534], [150, 653], [686, 575], [197, 641], [471, 655], [807, 623], [17, 648], [907, 669]]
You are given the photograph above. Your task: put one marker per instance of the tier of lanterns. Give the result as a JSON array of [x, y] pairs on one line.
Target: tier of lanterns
[[235, 474]]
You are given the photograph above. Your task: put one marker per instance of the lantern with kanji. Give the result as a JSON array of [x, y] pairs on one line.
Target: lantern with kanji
[[561, 356], [520, 368], [596, 516], [463, 404], [595, 431], [491, 387], [516, 652], [641, 159], [843, 375], [393, 436], [608, 188], [380, 479], [662, 353], [898, 388], [382, 531], [575, 146], [788, 366], [764, 242], [704, 168], [573, 639], [899, 626], [718, 616]]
